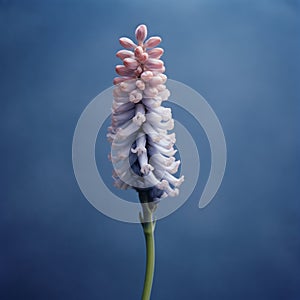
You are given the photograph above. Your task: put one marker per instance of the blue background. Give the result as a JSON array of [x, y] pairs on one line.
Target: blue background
[[243, 57]]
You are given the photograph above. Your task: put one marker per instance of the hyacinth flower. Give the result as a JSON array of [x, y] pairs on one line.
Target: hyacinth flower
[[142, 149]]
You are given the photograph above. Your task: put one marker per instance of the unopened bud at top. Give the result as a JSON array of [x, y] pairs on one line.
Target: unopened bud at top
[[141, 33]]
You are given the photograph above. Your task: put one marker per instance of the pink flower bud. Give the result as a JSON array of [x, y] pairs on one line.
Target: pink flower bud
[[152, 42], [124, 54], [118, 80], [138, 52], [141, 33], [127, 43], [153, 63], [130, 63], [144, 57], [123, 71], [155, 52], [138, 71]]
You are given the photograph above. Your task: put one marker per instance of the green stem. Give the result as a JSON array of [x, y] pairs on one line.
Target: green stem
[[148, 227], [149, 237]]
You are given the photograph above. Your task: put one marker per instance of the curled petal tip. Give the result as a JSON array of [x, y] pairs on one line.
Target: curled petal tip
[[181, 179], [139, 119], [139, 150], [174, 193], [146, 76], [135, 96], [140, 85], [146, 169], [163, 185]]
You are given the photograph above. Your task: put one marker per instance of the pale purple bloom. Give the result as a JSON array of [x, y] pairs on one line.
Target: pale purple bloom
[[142, 149]]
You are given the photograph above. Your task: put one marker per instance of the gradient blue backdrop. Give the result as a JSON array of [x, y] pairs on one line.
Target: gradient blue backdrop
[[243, 57]]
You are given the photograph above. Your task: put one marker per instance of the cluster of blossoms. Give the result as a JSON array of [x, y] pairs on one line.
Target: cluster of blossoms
[[142, 149]]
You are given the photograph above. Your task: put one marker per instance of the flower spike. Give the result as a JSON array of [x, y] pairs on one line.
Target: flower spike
[[140, 124]]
